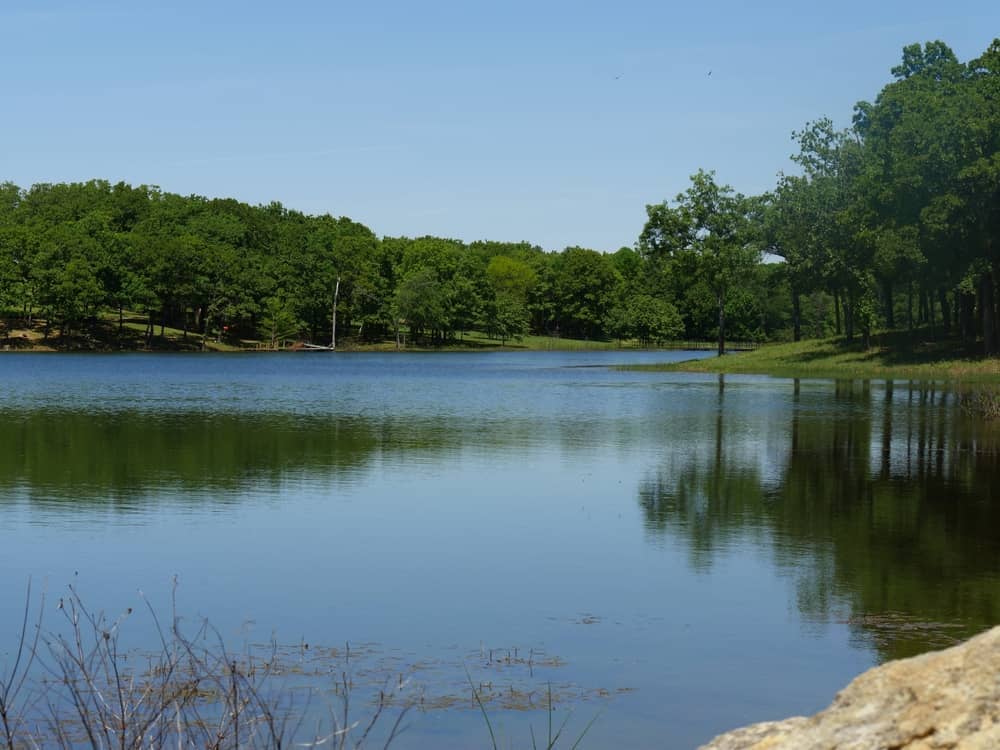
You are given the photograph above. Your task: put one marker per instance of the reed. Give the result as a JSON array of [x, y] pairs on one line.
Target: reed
[[77, 687], [982, 402]]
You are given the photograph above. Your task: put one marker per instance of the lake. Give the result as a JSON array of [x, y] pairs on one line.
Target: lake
[[675, 554]]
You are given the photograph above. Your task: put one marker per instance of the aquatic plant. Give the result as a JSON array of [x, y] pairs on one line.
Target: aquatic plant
[[78, 685], [983, 402], [552, 738], [192, 693]]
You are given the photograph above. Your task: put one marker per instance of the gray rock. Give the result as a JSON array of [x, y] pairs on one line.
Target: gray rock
[[937, 701]]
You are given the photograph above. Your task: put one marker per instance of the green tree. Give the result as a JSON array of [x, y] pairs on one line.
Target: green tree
[[507, 318], [584, 284], [421, 304], [278, 321], [652, 320], [977, 195], [335, 249], [64, 273], [512, 277], [711, 225], [913, 139]]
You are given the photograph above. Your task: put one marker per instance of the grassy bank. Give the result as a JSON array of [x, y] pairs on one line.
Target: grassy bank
[[104, 335], [896, 356]]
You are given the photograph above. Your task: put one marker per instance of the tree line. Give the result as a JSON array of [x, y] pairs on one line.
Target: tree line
[[887, 224], [897, 217], [220, 268]]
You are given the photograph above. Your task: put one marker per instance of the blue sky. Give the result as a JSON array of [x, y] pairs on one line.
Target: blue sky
[[552, 122]]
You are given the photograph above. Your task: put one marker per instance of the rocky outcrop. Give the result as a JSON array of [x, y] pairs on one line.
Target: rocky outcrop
[[942, 700]]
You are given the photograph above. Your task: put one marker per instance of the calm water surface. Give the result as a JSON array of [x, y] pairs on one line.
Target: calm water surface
[[684, 553]]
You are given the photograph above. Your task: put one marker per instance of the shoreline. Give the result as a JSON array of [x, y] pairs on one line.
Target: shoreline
[[833, 359], [175, 344]]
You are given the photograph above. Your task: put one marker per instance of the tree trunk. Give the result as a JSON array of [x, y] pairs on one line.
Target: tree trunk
[[890, 317], [333, 330], [849, 316], [962, 315], [836, 310], [930, 313], [945, 311], [796, 315], [909, 307], [987, 306]]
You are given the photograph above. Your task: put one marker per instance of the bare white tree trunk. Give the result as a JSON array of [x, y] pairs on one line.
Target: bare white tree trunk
[[333, 337]]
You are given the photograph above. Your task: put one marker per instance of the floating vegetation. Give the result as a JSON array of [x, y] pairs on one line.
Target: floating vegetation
[[584, 618], [509, 677], [78, 686]]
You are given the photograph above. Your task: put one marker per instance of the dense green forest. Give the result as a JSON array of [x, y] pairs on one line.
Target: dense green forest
[[889, 224], [892, 221], [222, 268]]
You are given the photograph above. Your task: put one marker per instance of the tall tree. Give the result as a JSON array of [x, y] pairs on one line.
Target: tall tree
[[710, 224], [584, 282], [913, 139]]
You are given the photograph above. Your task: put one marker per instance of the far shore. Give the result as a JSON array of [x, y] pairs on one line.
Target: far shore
[[106, 337], [892, 356]]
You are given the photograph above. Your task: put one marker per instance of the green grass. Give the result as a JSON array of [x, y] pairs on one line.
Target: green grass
[[103, 335], [479, 341], [894, 355], [542, 343]]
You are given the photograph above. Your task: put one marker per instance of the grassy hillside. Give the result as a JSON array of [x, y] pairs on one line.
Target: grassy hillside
[[897, 356]]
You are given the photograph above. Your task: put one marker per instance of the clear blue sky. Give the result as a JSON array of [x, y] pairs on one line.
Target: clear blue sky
[[552, 122]]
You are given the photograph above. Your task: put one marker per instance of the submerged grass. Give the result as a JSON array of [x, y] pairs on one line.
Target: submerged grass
[[78, 686], [894, 356], [552, 739]]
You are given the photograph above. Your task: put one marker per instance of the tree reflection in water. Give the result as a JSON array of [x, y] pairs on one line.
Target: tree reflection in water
[[881, 507]]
